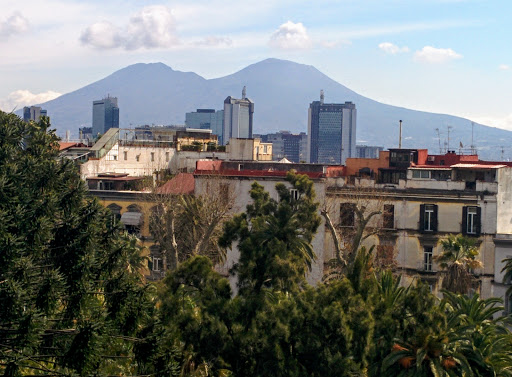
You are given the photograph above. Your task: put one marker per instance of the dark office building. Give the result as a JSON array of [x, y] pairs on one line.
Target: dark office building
[[331, 131], [33, 113], [287, 145], [105, 115]]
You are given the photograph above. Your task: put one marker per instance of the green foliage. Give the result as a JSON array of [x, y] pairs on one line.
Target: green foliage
[[70, 287], [72, 300], [274, 237], [458, 257]]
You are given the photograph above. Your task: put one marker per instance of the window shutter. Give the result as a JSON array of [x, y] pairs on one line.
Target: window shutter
[[422, 217], [478, 221], [464, 220], [434, 219]]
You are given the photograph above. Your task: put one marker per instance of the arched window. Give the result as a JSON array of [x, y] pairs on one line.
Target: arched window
[[133, 219], [116, 210]]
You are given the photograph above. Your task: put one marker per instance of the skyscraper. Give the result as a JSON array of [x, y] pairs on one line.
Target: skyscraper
[[105, 115], [331, 131], [238, 114], [207, 119], [285, 144], [33, 113]]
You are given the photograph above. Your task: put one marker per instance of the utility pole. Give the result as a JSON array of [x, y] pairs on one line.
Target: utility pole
[[400, 136], [449, 128], [472, 145], [439, 140]]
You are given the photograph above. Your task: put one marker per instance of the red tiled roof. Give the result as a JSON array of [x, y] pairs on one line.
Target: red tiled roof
[[255, 173], [183, 183], [63, 145], [210, 165]]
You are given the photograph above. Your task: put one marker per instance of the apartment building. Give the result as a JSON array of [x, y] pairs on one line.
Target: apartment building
[[420, 199]]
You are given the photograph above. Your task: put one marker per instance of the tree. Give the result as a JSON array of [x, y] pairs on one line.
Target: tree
[[274, 237], [71, 288], [360, 209], [186, 225], [458, 259], [425, 344], [485, 341], [507, 269]]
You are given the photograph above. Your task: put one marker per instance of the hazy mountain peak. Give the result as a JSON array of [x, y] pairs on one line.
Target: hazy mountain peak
[[154, 93]]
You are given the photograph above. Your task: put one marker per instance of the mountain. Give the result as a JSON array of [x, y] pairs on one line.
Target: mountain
[[281, 90]]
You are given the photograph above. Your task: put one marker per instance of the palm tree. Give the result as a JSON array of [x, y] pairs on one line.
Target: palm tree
[[485, 341], [458, 259], [508, 272]]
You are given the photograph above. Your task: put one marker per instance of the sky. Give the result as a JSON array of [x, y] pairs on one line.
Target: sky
[[443, 56]]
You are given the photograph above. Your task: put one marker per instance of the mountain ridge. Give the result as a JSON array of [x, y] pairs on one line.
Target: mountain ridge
[[155, 93]]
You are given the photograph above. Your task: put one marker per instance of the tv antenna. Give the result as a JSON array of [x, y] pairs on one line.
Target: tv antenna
[[473, 149], [439, 140], [449, 128]]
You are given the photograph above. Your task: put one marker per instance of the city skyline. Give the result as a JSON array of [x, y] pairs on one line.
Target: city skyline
[[443, 56]]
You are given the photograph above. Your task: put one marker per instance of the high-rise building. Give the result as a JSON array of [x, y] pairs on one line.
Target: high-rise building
[[207, 119], [331, 131], [33, 113], [238, 114], [368, 151], [287, 145], [105, 115]]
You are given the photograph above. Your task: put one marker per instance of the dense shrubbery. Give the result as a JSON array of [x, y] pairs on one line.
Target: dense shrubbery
[[72, 301]]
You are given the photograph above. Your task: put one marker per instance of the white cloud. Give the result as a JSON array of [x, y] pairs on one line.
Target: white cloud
[[390, 48], [20, 98], [504, 122], [504, 67], [14, 24], [291, 36], [434, 55], [152, 27], [212, 41]]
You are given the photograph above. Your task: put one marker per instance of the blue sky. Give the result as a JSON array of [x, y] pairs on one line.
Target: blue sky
[[447, 56]]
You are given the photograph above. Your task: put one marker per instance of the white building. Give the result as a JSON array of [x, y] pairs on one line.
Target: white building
[[238, 117]]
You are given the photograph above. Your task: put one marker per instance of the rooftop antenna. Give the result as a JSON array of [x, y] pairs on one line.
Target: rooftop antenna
[[472, 145], [244, 93], [322, 96], [439, 140], [449, 128], [400, 135]]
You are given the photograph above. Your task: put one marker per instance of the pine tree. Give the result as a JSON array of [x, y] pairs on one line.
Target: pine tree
[[71, 291]]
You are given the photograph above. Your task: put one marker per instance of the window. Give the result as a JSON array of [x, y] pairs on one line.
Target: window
[[471, 220], [157, 264], [265, 149], [166, 156], [125, 155], [428, 218], [347, 214], [424, 174], [105, 185], [116, 210], [114, 157], [388, 217], [427, 258], [294, 194], [137, 157], [152, 156]]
